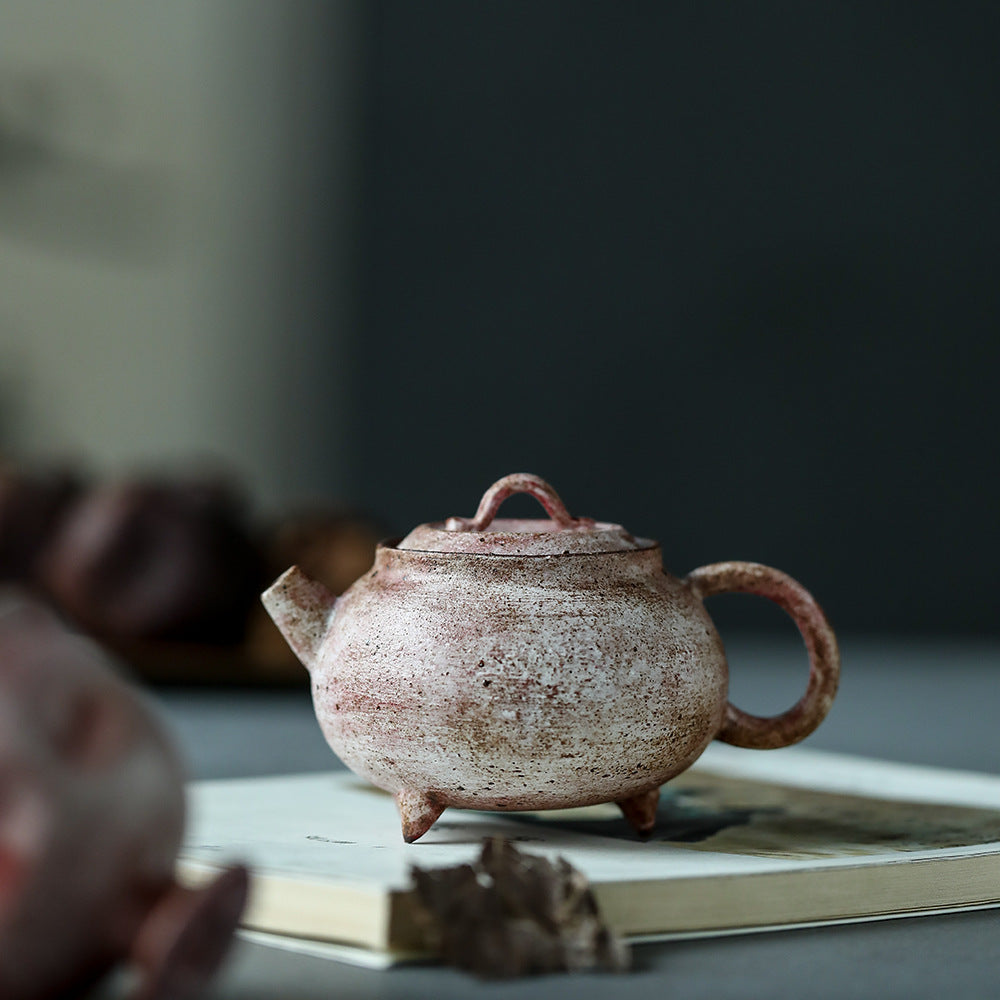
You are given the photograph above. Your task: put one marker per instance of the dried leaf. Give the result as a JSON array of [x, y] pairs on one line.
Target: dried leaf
[[514, 914]]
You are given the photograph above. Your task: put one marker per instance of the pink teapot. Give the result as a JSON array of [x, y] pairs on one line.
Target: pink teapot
[[504, 664]]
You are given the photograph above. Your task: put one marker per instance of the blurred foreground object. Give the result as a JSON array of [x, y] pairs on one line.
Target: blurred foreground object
[[91, 819], [513, 914]]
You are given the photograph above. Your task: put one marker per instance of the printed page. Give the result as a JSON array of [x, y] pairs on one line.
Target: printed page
[[736, 812]]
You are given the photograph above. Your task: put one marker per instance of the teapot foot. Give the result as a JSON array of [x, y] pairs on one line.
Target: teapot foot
[[640, 811], [418, 811]]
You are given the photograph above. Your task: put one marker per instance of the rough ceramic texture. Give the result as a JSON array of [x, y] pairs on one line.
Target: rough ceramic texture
[[91, 817], [509, 675]]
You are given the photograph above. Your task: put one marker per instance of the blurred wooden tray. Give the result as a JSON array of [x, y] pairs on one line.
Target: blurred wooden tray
[[187, 663]]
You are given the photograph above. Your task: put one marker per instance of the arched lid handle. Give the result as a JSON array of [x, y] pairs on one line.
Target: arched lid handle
[[518, 482]]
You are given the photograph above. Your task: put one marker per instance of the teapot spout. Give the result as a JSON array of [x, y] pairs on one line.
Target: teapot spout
[[302, 609]]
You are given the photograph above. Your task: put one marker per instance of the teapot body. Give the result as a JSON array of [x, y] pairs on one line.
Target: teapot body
[[519, 682], [515, 664]]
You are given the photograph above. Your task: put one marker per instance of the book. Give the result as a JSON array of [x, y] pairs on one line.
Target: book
[[745, 841]]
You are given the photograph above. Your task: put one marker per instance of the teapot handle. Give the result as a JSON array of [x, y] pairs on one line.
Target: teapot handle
[[766, 733], [517, 482]]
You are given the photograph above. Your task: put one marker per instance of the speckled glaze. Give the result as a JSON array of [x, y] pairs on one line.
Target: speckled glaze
[[505, 665], [91, 818]]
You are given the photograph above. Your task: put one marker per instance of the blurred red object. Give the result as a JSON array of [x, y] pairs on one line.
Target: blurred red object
[[91, 819]]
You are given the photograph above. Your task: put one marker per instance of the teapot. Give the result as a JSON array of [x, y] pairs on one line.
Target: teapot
[[523, 664]]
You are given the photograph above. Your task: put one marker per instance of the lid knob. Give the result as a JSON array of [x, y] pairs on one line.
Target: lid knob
[[518, 482]]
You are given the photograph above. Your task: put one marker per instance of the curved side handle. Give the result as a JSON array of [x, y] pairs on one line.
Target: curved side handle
[[517, 482], [766, 733]]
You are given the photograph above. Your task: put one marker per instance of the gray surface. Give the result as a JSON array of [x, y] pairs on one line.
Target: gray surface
[[927, 702]]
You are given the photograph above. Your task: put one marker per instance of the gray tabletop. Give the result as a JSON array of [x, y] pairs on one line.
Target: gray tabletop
[[927, 702]]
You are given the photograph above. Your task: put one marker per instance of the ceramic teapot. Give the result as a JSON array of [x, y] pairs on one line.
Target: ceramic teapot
[[506, 664]]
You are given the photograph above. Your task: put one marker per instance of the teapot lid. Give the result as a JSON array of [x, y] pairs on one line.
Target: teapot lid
[[562, 535]]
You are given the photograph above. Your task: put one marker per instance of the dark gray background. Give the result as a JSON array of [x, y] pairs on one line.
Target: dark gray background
[[725, 273]]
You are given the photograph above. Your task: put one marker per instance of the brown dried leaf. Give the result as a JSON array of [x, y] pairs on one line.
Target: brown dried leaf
[[514, 914]]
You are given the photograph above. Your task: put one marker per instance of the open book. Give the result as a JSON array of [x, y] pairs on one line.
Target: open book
[[745, 840]]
